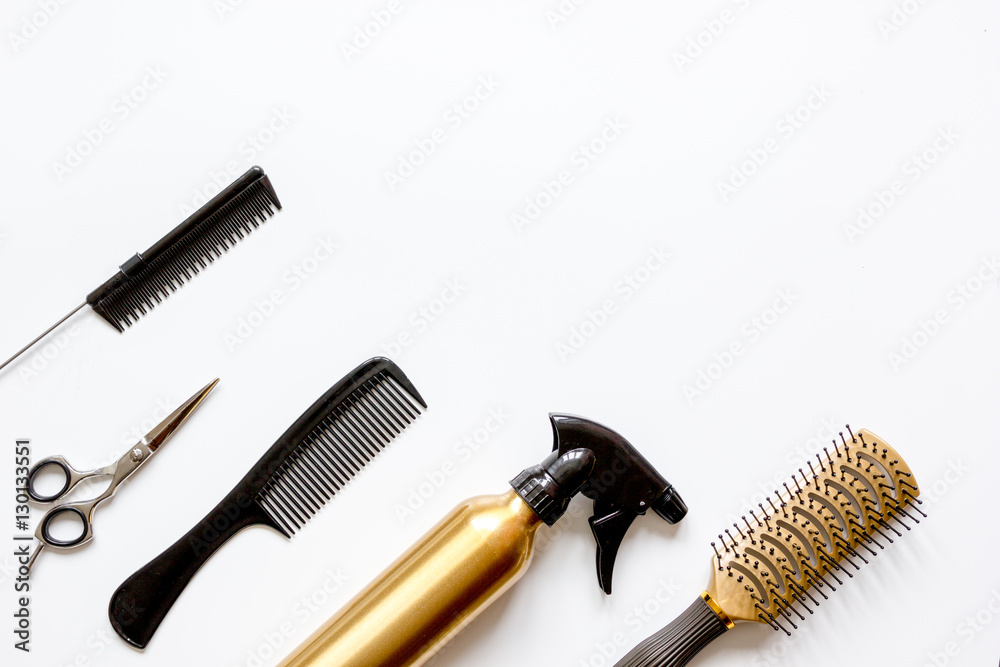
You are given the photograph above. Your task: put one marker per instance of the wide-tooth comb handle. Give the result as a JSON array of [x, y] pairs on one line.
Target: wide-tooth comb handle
[[325, 447], [149, 277]]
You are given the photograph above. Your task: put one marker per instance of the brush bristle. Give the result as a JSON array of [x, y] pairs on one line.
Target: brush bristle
[[160, 276], [821, 524], [354, 432]]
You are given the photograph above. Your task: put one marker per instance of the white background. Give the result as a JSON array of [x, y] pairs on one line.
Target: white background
[[350, 118]]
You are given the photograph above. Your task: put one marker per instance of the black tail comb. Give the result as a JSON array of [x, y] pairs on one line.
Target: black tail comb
[[149, 277], [315, 458]]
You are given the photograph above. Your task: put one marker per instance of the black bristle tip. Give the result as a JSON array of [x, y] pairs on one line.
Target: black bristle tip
[[151, 276]]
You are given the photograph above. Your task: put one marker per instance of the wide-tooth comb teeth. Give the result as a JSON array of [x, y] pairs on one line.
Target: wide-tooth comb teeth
[[172, 267], [354, 432], [817, 526]]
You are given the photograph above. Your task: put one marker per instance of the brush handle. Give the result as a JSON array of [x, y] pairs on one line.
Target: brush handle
[[676, 644], [140, 604]]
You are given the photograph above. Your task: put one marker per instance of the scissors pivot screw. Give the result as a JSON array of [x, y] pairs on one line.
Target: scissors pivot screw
[[136, 455]]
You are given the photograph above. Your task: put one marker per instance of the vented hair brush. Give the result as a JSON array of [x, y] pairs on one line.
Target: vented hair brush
[[813, 531], [315, 458], [149, 277]]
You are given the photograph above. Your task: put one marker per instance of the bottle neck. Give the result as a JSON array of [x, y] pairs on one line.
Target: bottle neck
[[548, 487]]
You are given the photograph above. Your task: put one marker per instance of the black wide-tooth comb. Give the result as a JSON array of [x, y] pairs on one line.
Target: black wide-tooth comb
[[149, 277], [308, 465]]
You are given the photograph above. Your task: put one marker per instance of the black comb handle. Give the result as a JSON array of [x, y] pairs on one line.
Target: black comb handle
[[141, 603], [282, 490]]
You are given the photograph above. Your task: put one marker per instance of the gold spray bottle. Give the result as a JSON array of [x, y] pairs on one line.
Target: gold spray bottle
[[484, 546]]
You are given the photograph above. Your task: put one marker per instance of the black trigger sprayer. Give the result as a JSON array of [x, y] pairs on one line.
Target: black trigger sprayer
[[484, 546], [593, 460]]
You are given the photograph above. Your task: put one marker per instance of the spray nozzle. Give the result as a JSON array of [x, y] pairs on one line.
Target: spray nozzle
[[594, 460]]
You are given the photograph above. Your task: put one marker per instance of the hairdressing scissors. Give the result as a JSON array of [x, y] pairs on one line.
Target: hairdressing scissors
[[119, 471]]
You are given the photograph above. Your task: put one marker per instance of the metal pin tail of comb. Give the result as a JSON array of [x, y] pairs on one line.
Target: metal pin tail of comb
[[306, 468], [804, 544], [149, 277]]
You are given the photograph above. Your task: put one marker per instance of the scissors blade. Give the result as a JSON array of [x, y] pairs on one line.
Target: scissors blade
[[162, 431]]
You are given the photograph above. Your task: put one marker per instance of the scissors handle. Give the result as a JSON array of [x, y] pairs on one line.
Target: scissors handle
[[83, 511], [71, 474]]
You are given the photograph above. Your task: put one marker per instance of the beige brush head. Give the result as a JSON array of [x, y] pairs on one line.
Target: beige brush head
[[840, 508]]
